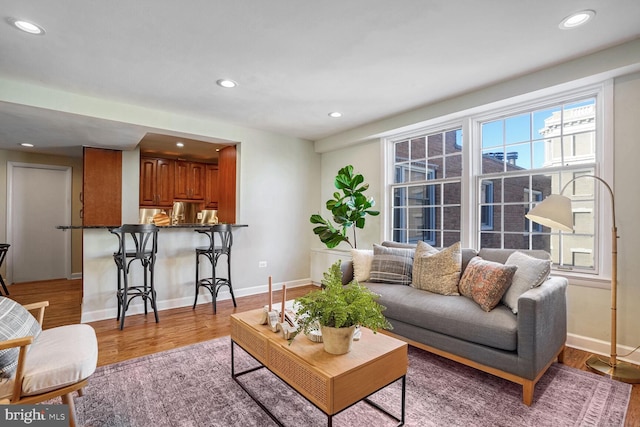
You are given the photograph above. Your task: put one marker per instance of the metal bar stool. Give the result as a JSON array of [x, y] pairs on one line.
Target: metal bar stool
[[213, 253], [4, 248], [137, 242]]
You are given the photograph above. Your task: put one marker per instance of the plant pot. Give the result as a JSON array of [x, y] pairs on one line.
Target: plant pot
[[337, 340]]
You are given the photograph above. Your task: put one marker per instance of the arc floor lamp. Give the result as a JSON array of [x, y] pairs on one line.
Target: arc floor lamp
[[555, 212]]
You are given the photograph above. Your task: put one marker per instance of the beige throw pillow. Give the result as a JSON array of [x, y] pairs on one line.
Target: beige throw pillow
[[362, 259], [437, 271]]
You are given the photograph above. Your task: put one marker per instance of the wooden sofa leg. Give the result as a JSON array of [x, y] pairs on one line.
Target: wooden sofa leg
[[527, 392], [67, 399], [561, 355]]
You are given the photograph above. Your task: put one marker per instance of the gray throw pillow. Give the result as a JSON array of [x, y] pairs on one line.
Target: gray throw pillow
[[531, 273], [15, 322], [391, 265]]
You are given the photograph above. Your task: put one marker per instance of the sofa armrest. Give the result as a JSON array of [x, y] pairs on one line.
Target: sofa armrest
[[542, 322]]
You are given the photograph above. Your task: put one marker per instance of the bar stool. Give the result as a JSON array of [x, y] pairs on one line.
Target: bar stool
[[213, 253], [137, 242], [4, 248]]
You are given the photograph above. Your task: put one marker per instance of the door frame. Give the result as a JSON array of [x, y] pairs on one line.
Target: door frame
[[11, 166]]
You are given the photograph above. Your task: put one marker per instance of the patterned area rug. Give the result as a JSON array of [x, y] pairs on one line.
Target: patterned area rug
[[192, 386]]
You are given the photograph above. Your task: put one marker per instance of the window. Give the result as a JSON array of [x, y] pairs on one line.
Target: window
[[517, 156], [426, 188]]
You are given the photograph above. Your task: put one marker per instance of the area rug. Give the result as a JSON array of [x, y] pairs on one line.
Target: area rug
[[192, 386]]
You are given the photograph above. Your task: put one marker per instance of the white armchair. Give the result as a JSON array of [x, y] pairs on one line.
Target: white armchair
[[49, 363]]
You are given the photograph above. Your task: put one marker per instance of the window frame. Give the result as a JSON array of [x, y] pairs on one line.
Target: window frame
[[469, 121]]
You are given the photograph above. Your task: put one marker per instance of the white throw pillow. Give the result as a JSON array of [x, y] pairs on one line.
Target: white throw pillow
[[362, 259], [531, 273]]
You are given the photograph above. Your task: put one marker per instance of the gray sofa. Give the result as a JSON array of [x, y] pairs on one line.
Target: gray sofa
[[517, 347]]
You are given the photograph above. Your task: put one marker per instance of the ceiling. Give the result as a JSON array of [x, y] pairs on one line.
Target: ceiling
[[294, 60]]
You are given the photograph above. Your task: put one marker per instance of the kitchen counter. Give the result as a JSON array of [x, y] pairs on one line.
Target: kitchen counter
[[176, 226]]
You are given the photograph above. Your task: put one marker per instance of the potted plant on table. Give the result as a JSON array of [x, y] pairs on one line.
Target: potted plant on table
[[338, 310]]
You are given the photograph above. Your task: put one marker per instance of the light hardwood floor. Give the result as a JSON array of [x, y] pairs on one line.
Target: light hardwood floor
[[183, 326]]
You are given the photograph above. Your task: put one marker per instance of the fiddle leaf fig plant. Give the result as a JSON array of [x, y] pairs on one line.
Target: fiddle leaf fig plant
[[349, 208]]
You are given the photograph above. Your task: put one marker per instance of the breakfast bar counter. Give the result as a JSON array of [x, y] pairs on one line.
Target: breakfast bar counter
[[174, 269]]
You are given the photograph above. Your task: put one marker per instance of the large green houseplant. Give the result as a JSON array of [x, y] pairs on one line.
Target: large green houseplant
[[338, 307], [349, 208]]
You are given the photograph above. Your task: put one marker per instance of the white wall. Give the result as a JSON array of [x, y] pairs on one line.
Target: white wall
[[589, 312]]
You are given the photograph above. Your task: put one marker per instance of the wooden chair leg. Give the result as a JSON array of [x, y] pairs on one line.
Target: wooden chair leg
[[67, 399], [81, 392]]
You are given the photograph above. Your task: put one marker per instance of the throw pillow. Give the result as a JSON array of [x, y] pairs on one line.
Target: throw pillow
[[486, 281], [362, 259], [391, 265], [15, 322], [531, 273], [437, 271]]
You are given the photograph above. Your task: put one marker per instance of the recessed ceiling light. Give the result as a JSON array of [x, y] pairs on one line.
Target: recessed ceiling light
[[26, 26], [179, 144], [26, 144], [226, 83], [576, 19], [335, 114]]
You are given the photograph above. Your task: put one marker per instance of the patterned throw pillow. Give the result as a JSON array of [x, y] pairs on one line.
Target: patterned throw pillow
[[485, 282], [15, 322], [391, 265], [531, 273], [362, 259], [437, 271]]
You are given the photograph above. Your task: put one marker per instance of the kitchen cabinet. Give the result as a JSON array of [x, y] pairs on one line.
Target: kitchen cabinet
[[157, 178], [227, 185], [211, 187], [101, 187], [189, 180]]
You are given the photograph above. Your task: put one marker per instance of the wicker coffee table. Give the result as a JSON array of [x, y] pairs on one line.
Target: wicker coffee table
[[331, 383]]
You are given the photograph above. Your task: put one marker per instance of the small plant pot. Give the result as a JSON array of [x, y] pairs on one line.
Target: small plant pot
[[337, 340]]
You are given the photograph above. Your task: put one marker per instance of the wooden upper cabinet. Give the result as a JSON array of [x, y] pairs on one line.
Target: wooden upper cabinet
[[102, 187], [156, 182], [227, 185], [189, 180], [211, 187]]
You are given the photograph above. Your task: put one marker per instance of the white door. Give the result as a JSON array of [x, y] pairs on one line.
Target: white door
[[38, 199]]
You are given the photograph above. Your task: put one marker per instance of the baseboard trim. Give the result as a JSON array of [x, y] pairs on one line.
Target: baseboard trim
[[600, 347], [204, 298]]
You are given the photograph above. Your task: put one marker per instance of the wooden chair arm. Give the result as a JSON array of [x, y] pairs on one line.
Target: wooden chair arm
[[38, 306], [16, 342]]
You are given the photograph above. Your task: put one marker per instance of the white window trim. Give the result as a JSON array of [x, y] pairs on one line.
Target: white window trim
[[469, 122]]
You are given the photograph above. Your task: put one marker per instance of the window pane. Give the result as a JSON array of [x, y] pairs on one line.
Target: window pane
[[516, 241], [519, 157], [450, 238], [493, 160], [418, 149], [400, 236], [453, 141], [451, 218], [539, 159], [517, 129], [454, 166], [418, 171], [402, 173], [514, 219], [492, 134], [401, 152], [516, 189], [541, 241], [400, 196], [434, 144], [452, 193], [399, 218], [491, 240], [423, 195], [435, 168]]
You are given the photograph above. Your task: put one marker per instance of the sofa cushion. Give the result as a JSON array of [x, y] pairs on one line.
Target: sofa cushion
[[486, 282], [531, 273], [362, 259], [391, 265], [455, 316], [437, 271], [15, 322]]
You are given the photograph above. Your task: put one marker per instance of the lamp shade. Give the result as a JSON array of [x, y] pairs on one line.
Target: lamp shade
[[554, 211]]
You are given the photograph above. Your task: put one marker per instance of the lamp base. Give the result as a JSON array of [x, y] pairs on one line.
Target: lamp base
[[623, 371]]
